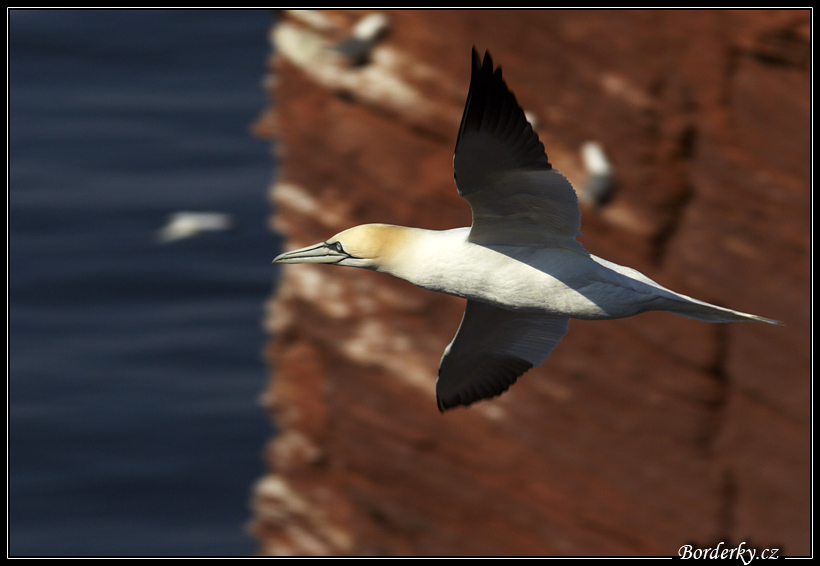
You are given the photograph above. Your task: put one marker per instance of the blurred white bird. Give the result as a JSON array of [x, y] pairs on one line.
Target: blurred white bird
[[600, 180], [367, 31], [519, 266], [186, 224]]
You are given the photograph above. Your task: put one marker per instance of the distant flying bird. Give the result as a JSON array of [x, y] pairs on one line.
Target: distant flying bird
[[187, 224], [367, 31], [519, 266]]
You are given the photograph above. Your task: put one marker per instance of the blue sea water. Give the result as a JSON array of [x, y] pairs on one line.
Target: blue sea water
[[134, 367]]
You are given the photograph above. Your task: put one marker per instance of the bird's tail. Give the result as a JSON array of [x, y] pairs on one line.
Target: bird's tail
[[699, 310], [677, 303]]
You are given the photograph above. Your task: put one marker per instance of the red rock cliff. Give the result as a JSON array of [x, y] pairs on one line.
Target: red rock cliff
[[637, 436]]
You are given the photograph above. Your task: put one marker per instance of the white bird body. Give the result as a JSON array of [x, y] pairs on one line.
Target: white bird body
[[549, 280], [520, 267]]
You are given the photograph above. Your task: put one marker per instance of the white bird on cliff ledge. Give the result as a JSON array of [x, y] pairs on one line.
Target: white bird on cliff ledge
[[519, 266]]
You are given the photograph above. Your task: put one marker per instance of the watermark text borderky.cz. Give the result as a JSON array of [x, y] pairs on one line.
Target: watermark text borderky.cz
[[720, 551]]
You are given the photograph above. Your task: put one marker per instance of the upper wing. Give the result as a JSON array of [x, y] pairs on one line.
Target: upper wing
[[493, 346], [502, 170]]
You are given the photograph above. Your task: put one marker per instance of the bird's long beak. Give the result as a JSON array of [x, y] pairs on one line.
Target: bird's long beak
[[317, 253]]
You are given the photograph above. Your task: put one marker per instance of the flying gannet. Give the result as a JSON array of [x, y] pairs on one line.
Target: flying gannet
[[519, 265], [186, 224]]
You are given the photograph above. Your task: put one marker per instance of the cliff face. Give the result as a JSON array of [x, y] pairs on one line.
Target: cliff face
[[636, 436]]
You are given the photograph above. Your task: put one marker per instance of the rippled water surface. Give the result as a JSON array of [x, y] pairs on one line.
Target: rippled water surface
[[135, 367]]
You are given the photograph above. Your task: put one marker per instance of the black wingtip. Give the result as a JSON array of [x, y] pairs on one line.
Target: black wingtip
[[478, 63], [490, 377], [491, 105]]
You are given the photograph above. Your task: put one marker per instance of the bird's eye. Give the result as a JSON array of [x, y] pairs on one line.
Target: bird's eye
[[337, 246]]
